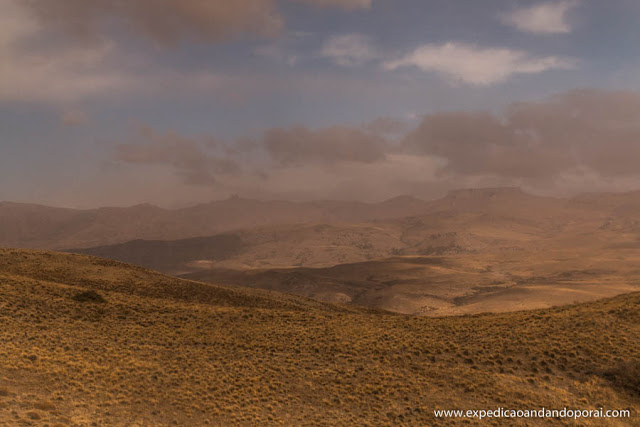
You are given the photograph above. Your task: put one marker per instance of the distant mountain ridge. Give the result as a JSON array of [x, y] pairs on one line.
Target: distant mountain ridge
[[506, 248], [43, 227]]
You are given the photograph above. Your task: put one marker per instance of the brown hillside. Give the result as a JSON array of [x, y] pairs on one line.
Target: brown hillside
[[162, 351], [41, 227]]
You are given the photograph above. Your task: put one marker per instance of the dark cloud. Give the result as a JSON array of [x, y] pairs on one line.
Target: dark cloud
[[344, 4], [593, 128], [164, 21], [580, 129], [572, 142], [477, 144], [387, 126], [201, 161], [187, 156], [74, 118], [168, 21], [300, 145]]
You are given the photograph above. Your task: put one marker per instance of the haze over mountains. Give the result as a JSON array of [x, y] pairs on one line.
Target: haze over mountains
[[89, 338], [34, 226], [475, 250]]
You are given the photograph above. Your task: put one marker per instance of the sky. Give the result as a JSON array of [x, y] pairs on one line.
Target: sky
[[120, 102]]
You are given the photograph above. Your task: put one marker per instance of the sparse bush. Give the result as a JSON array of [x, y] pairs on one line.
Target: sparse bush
[[191, 353], [626, 374], [89, 296]]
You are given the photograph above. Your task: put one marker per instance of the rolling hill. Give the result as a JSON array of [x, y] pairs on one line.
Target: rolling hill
[[464, 221], [452, 284], [173, 256], [496, 250], [42, 227], [87, 340]]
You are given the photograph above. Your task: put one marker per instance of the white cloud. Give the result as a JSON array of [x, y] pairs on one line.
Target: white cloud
[[543, 18], [477, 66], [349, 50]]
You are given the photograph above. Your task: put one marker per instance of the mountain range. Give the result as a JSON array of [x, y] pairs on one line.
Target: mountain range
[[43, 227], [495, 249]]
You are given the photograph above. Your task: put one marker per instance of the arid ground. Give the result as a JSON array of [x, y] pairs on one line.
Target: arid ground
[[88, 341]]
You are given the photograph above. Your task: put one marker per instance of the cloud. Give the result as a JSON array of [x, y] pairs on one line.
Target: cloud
[[74, 118], [542, 18], [70, 73], [581, 130], [596, 129], [286, 49], [477, 143], [349, 50], [61, 73], [395, 174], [206, 161], [187, 157], [299, 145], [571, 142], [62, 52], [34, 70], [387, 126], [277, 53], [16, 23], [39, 68], [477, 66], [163, 21], [167, 22], [344, 4]]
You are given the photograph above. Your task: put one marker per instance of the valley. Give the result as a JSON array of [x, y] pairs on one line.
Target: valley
[[473, 251], [87, 340]]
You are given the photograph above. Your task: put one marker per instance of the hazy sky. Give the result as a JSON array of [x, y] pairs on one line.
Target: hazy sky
[[118, 102]]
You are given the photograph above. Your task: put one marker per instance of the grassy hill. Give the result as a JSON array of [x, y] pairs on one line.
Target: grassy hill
[[86, 340]]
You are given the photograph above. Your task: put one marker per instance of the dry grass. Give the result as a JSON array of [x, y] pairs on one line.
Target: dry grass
[[163, 351], [457, 284]]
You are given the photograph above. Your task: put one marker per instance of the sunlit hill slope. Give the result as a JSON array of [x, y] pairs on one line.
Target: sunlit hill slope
[[86, 340]]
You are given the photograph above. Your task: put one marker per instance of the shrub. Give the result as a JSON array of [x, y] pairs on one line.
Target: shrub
[[89, 296], [626, 374]]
